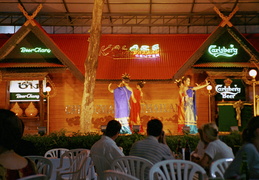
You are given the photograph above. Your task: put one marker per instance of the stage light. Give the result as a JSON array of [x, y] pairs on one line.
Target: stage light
[[48, 89], [253, 74], [186, 130], [209, 88], [103, 128], [136, 128], [234, 128], [42, 130]]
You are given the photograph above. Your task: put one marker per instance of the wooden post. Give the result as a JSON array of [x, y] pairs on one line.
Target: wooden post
[[42, 109], [91, 64]]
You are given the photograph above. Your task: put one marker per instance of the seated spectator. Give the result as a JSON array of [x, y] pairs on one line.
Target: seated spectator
[[153, 147], [250, 137], [105, 150], [25, 147], [216, 149], [12, 165], [200, 148]]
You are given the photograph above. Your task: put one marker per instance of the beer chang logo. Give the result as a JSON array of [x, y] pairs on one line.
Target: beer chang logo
[[27, 96], [35, 50], [217, 51], [228, 92]]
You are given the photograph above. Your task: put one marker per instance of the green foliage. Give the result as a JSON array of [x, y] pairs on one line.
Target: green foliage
[[172, 141], [234, 140], [78, 140], [126, 141]]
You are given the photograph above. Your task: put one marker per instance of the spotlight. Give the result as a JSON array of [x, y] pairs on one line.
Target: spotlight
[[234, 128], [186, 130], [136, 128], [103, 128], [42, 130]]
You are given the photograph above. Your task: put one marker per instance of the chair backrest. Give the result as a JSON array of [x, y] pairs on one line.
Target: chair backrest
[[44, 165], [101, 164], [55, 153], [117, 175], [79, 169], [71, 155], [176, 169], [34, 177], [218, 167], [133, 165]]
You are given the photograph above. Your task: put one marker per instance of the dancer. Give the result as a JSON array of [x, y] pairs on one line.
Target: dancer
[[181, 115], [135, 108], [122, 95], [190, 115]]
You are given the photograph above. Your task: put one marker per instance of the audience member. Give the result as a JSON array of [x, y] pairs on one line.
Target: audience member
[[250, 147], [25, 147], [216, 149], [153, 147], [12, 165], [104, 151], [200, 148]]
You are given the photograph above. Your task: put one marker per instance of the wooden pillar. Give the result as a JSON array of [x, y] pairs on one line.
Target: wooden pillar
[[90, 68], [42, 109]]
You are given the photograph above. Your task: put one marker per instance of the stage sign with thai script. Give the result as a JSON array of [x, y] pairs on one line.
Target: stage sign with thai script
[[217, 51], [133, 52], [230, 90], [25, 90]]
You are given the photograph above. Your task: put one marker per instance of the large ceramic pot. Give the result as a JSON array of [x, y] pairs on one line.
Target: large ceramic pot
[[31, 110], [17, 110]]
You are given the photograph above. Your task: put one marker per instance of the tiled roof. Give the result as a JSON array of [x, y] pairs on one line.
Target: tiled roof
[[225, 65], [31, 65], [175, 51]]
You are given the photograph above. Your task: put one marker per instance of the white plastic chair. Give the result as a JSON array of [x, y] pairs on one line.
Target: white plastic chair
[[71, 155], [80, 169], [218, 167], [44, 165], [133, 165], [35, 177], [117, 175], [55, 153], [101, 164], [176, 169]]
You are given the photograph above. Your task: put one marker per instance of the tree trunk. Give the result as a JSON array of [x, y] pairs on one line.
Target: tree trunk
[[91, 64]]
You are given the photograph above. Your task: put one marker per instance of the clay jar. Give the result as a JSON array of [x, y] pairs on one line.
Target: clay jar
[[31, 110], [17, 110]]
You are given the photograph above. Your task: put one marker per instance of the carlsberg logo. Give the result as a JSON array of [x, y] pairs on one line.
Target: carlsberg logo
[[222, 51], [228, 92]]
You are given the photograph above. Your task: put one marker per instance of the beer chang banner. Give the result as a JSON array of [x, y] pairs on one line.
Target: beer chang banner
[[25, 90]]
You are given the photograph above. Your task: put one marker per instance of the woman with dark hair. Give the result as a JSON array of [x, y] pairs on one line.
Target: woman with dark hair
[[12, 165], [180, 106], [190, 115], [122, 95], [250, 149], [135, 108]]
